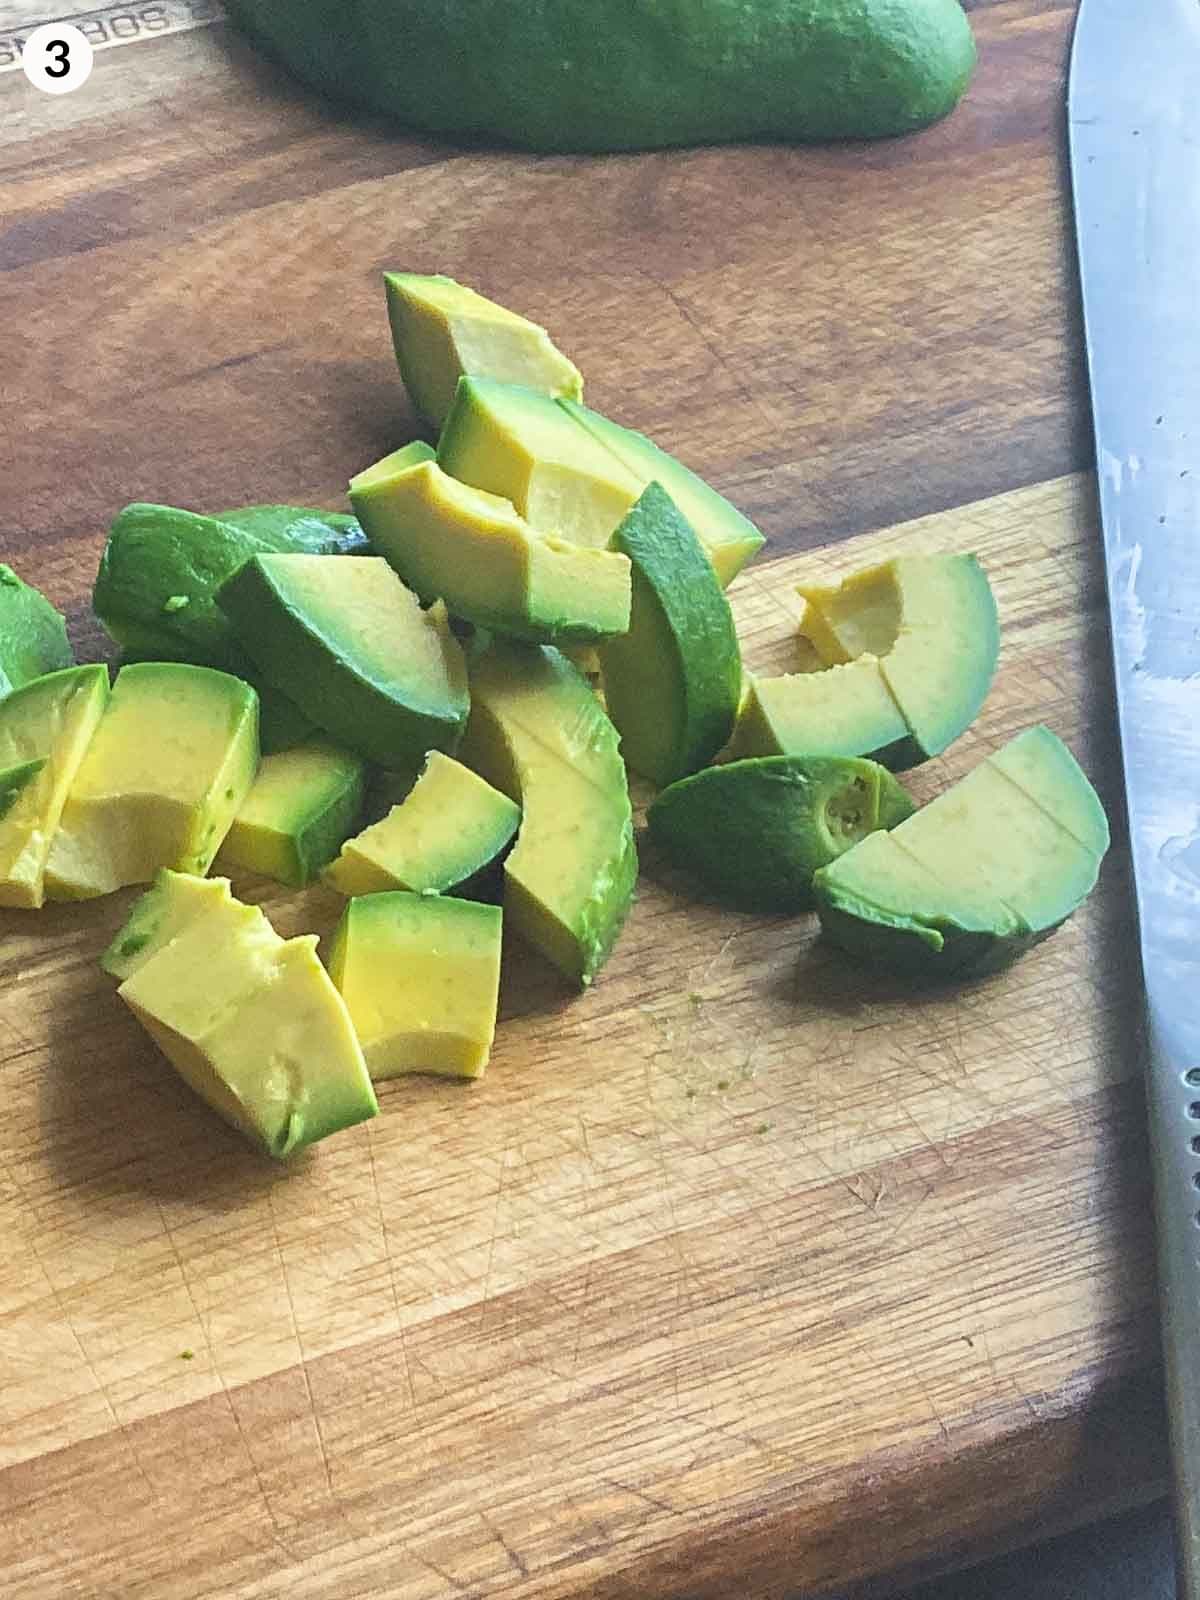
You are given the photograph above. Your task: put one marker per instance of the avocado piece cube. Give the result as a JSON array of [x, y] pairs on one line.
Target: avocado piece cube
[[303, 803], [33, 635], [251, 1022], [729, 538], [755, 831], [844, 710], [45, 730], [538, 734], [516, 443], [344, 638], [299, 530], [445, 831], [420, 976], [472, 550], [988, 868], [443, 330], [931, 621], [172, 902], [168, 768], [673, 682]]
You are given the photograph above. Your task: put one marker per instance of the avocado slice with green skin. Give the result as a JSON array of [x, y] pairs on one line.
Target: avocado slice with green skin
[[45, 730], [729, 538], [988, 868], [299, 530], [169, 766], [931, 622], [519, 444], [251, 1022], [155, 593], [756, 831], [33, 635], [350, 644], [538, 734], [673, 682], [447, 829], [471, 549], [443, 331], [420, 975], [844, 710], [304, 802], [577, 76]]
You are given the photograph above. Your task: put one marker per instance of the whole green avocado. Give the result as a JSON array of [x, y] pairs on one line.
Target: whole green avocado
[[595, 75]]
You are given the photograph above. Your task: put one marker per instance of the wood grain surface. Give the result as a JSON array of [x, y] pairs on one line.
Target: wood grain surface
[[747, 1273]]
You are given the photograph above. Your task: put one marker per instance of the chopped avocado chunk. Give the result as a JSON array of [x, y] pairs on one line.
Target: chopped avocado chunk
[[931, 621], [420, 975], [251, 1022], [303, 803], [443, 833], [471, 549], [349, 643], [844, 710], [33, 635], [443, 331], [729, 538], [755, 831], [991, 859], [516, 443], [878, 901], [171, 762], [538, 733], [673, 682], [156, 589], [172, 902], [299, 530], [408, 455], [45, 730]]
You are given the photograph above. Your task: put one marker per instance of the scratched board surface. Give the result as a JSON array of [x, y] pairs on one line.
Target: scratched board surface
[[747, 1272]]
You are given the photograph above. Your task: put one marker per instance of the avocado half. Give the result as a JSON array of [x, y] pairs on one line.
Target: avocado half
[[595, 75]]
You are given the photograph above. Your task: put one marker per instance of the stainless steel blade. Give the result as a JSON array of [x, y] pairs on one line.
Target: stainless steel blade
[[1135, 161]]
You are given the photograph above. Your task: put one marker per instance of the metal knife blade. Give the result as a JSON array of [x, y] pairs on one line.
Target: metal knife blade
[[1134, 115]]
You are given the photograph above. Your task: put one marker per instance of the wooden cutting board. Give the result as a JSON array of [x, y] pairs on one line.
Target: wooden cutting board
[[748, 1272]]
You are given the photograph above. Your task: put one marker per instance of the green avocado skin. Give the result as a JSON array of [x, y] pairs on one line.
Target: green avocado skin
[[300, 530], [598, 75], [33, 635], [754, 832]]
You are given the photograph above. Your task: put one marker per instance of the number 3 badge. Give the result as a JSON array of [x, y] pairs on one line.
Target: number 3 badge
[[57, 58]]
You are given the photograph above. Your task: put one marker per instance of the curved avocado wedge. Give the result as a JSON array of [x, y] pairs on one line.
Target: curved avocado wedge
[[472, 550], [597, 75], [420, 975], [170, 763], [447, 829], [442, 331], [33, 635], [844, 710], [46, 728], [987, 869], [920, 632], [755, 831], [573, 473], [728, 538], [250, 1021], [673, 682], [344, 638], [539, 735], [304, 802]]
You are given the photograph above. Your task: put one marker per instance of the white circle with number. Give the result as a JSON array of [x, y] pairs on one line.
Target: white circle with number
[[57, 58]]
